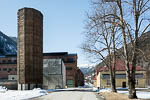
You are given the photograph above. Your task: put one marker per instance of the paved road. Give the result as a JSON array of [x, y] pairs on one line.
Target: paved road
[[70, 95]]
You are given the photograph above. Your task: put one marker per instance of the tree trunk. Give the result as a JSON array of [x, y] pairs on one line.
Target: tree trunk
[[113, 85], [132, 91], [130, 75], [113, 81], [111, 71]]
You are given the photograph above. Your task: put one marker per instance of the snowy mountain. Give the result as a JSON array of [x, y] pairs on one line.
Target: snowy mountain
[[7, 45], [13, 38], [86, 68]]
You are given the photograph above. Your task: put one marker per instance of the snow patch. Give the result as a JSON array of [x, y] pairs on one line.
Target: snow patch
[[140, 94], [105, 90], [3, 89], [20, 95]]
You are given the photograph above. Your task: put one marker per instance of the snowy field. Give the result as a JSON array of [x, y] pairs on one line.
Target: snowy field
[[20, 95], [140, 94]]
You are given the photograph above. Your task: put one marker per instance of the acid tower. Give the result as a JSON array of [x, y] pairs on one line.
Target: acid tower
[[30, 48]]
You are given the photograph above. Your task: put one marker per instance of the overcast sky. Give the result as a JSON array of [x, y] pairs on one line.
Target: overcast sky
[[63, 23]]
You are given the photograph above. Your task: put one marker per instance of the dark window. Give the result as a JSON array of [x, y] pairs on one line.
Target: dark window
[[68, 68], [120, 75], [0, 69], [15, 61], [4, 69], [15, 69], [9, 61], [70, 60], [9, 69], [4, 61], [105, 76], [139, 76]]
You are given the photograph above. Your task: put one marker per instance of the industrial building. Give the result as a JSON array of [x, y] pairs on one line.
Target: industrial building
[[74, 76], [54, 74], [70, 61]]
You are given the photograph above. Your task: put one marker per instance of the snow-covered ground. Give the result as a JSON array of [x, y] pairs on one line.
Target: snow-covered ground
[[88, 85], [140, 94], [20, 95], [27, 94]]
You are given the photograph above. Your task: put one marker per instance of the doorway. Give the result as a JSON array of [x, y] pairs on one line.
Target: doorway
[[123, 84]]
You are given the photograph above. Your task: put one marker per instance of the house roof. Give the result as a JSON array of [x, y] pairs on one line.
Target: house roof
[[120, 66]]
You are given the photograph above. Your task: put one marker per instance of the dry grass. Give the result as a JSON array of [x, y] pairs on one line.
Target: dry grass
[[115, 96]]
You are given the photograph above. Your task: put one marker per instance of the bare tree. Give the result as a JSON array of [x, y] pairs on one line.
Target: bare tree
[[131, 30], [101, 40]]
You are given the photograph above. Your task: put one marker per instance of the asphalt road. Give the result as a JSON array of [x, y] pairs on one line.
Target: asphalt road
[[71, 95]]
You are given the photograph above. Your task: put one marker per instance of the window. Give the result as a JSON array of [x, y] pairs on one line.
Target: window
[[108, 82], [105, 76], [9, 61], [9, 69], [4, 69], [4, 61], [139, 75], [120, 76], [68, 68], [70, 60], [15, 61]]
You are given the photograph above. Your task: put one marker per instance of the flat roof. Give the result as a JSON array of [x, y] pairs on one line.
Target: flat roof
[[45, 54]]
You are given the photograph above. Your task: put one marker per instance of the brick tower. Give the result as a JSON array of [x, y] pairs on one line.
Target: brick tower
[[30, 48]]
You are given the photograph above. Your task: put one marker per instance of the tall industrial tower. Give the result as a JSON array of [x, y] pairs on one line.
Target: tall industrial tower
[[30, 48]]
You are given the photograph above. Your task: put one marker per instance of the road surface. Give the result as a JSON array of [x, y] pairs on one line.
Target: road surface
[[71, 95]]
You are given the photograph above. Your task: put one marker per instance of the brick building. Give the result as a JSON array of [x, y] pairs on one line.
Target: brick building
[[30, 48], [74, 76], [80, 78], [8, 71]]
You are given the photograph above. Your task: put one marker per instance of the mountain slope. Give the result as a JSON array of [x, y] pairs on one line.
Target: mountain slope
[[7, 45]]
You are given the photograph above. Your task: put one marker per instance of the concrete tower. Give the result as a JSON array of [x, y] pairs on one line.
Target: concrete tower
[[30, 48]]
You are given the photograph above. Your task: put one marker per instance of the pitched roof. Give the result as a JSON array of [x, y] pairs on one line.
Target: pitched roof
[[120, 66]]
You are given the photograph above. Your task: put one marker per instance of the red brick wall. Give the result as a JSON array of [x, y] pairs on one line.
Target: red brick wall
[[70, 74]]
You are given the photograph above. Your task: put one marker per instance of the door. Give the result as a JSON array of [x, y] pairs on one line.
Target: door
[[123, 84], [70, 83]]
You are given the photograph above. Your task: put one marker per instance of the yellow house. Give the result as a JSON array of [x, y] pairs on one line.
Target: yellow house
[[103, 77]]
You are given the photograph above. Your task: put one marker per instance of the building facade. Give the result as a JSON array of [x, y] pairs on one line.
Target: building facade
[[70, 61], [80, 78], [8, 71], [74, 76], [103, 76], [54, 74], [30, 47]]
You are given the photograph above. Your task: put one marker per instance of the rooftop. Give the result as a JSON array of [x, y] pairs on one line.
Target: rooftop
[[120, 66]]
